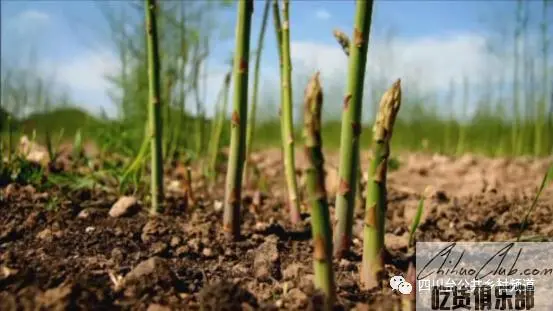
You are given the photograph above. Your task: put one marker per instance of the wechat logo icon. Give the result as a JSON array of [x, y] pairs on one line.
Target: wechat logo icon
[[398, 283]]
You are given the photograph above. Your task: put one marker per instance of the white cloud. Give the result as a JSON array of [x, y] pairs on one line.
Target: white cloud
[[431, 62], [322, 14], [87, 71], [84, 77], [30, 20], [428, 64]]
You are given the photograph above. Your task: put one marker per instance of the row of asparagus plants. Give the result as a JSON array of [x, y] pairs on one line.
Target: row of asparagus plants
[[373, 247], [373, 233]]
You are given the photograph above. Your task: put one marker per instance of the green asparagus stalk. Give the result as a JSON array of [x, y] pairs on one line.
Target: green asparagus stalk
[[278, 35], [154, 106], [375, 214], [167, 99], [278, 30], [344, 42], [286, 117], [218, 129], [233, 191], [320, 216], [253, 108], [351, 128]]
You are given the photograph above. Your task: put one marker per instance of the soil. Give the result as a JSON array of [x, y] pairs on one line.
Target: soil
[[74, 255]]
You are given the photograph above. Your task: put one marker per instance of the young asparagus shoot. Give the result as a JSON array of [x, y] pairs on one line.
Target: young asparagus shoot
[[342, 39], [317, 198], [253, 108], [154, 106], [373, 232], [287, 118], [351, 128], [415, 223], [233, 190]]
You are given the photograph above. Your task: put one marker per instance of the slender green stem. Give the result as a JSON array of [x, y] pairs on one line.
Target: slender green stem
[[375, 213], [547, 178], [278, 30], [10, 140], [155, 125], [287, 118], [320, 215], [351, 128], [278, 35], [218, 129], [233, 191], [167, 99], [253, 108], [344, 42]]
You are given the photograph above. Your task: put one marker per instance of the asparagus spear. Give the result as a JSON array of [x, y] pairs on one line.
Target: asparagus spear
[[155, 124], [233, 191], [320, 216], [351, 128], [344, 42], [373, 232], [286, 118]]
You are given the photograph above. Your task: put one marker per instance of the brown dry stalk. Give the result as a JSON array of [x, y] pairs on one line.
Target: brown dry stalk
[[189, 190]]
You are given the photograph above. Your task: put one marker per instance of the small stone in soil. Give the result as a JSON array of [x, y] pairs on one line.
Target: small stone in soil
[[207, 252], [148, 267], [175, 241], [125, 206], [218, 206], [48, 234]]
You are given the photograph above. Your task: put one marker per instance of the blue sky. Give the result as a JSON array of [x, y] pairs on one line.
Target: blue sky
[[430, 43]]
